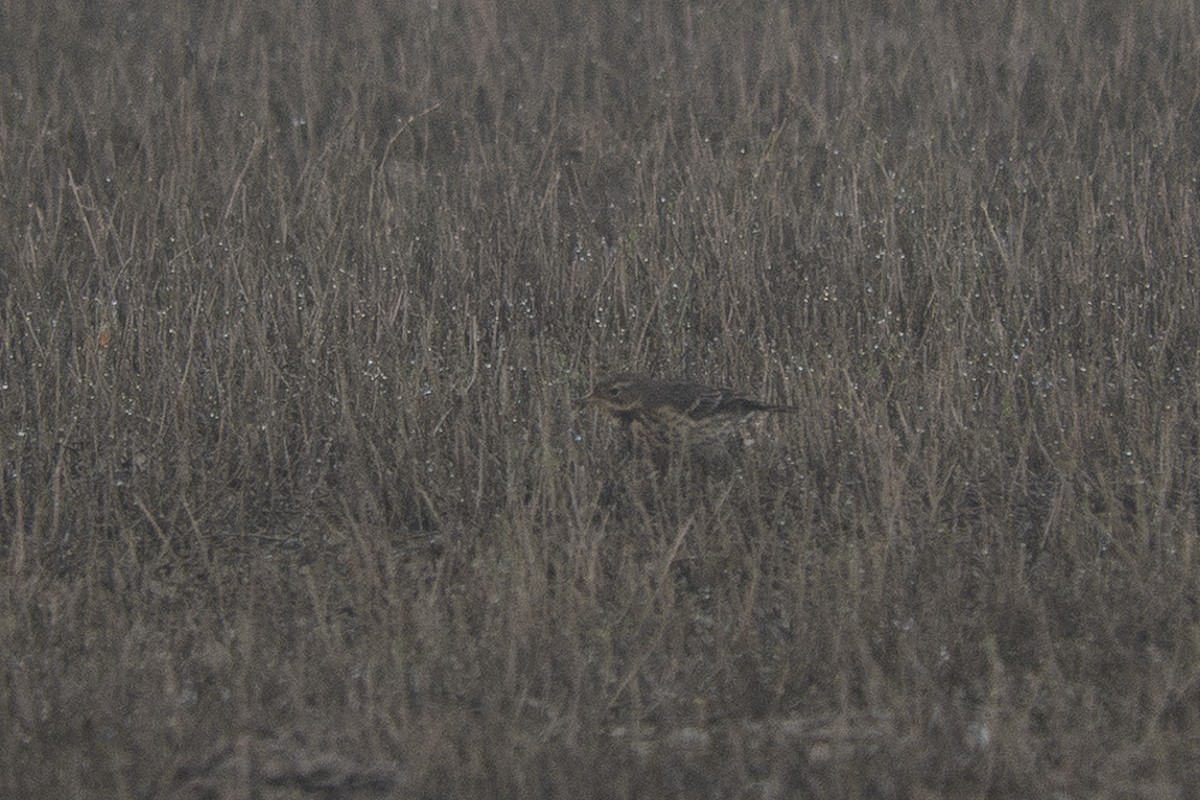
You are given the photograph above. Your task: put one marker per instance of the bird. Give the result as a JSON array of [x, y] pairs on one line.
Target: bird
[[679, 421]]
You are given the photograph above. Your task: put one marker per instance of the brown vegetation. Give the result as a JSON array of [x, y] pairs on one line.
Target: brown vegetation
[[294, 501]]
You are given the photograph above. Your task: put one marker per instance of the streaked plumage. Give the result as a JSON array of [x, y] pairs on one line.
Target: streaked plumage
[[672, 418]]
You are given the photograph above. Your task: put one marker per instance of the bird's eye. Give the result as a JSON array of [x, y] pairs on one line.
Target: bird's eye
[[614, 391]]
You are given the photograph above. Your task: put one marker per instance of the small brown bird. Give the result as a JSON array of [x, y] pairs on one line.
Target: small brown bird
[[671, 418]]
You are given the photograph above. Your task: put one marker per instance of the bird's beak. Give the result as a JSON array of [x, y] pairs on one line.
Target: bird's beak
[[586, 400]]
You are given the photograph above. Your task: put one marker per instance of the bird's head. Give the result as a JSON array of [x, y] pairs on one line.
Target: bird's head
[[618, 394]]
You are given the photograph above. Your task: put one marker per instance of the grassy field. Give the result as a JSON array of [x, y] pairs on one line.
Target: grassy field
[[295, 501]]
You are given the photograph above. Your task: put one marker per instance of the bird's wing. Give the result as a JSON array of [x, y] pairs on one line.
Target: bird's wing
[[709, 400], [699, 401], [727, 401]]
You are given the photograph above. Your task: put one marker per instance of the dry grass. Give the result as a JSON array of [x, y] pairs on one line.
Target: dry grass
[[295, 502]]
